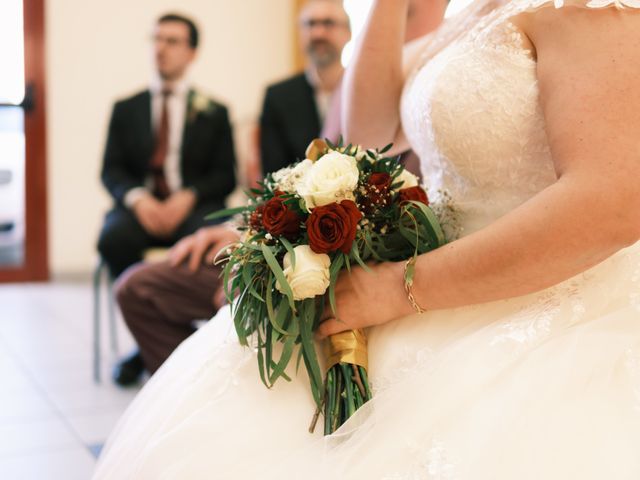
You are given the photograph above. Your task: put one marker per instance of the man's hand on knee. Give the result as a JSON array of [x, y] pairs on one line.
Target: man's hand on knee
[[203, 245]]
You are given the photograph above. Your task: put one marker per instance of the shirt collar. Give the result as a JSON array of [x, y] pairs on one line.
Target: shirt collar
[[312, 78], [180, 88]]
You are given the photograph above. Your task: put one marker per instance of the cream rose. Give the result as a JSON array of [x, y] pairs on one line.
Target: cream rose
[[289, 179], [311, 275], [331, 179], [407, 178]]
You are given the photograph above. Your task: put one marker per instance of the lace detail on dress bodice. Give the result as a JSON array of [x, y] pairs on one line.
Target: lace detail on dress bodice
[[471, 111]]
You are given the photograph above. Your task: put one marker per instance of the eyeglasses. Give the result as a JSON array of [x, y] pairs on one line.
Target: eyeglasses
[[326, 23], [170, 41]]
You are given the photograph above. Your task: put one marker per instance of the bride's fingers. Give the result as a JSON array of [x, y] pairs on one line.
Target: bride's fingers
[[329, 327]]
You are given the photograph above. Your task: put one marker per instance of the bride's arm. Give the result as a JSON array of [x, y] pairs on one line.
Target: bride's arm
[[373, 82], [588, 70]]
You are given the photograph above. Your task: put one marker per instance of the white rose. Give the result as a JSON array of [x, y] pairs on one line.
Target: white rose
[[311, 275], [289, 179], [407, 178], [331, 179]]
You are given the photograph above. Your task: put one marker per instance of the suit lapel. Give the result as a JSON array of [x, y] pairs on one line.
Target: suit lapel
[[146, 125], [313, 124], [189, 123]]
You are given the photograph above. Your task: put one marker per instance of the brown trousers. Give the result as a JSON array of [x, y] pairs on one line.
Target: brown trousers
[[160, 303]]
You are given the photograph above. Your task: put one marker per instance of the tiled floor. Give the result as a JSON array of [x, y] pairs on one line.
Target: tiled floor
[[53, 417]]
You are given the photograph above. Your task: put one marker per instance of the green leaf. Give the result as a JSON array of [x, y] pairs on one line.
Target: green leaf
[[268, 353], [329, 398], [269, 299], [228, 212], [386, 149], [356, 255], [334, 271], [290, 251], [262, 366], [432, 224], [307, 314], [285, 357], [277, 320], [277, 271]]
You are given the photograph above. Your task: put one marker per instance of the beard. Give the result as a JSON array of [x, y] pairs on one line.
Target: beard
[[322, 53]]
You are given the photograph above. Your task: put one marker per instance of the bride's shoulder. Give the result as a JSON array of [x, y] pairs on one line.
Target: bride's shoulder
[[561, 5], [555, 25]]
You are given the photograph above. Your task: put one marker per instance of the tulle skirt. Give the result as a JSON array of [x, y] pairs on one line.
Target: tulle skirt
[[544, 386]]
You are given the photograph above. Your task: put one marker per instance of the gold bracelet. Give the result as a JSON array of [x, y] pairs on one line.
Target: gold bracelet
[[409, 270]]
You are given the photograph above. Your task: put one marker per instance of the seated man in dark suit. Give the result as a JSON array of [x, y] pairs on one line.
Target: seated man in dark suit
[[169, 158], [294, 110], [160, 301], [169, 161]]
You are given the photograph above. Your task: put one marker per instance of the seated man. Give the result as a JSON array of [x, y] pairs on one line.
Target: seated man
[[159, 302], [169, 158]]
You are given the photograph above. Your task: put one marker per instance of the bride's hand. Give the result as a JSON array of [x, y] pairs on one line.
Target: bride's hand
[[366, 298]]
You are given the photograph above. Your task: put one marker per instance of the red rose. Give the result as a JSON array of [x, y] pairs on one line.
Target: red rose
[[381, 181], [333, 227], [279, 220], [255, 220], [377, 191], [413, 193]]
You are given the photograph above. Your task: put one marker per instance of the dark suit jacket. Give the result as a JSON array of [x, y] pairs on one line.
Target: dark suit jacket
[[288, 123], [207, 161]]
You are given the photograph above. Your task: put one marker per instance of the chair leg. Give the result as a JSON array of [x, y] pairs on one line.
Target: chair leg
[[97, 275], [113, 331]]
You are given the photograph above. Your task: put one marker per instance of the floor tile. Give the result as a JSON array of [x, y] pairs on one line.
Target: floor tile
[[73, 463], [94, 428], [91, 398], [14, 377], [25, 404], [35, 437], [54, 419]]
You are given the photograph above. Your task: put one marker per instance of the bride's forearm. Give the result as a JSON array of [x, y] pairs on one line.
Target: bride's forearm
[[557, 234], [373, 81]]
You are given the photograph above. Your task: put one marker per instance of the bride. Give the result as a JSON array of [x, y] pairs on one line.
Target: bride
[[526, 363]]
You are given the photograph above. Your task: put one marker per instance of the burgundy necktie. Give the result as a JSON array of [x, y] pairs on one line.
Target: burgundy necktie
[[156, 166]]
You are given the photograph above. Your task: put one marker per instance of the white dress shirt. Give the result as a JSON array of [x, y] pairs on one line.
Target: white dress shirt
[[177, 109]]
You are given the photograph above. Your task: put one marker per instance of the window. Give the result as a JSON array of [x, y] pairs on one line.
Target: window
[[11, 52], [12, 138]]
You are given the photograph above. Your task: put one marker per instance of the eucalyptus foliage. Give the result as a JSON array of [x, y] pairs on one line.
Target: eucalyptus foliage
[[280, 328]]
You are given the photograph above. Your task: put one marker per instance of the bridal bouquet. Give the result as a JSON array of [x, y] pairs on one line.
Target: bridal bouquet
[[339, 207]]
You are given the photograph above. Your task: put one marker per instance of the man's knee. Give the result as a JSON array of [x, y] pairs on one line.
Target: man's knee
[[128, 287], [141, 280]]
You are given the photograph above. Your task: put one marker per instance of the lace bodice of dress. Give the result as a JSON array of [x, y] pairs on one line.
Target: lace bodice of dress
[[471, 111]]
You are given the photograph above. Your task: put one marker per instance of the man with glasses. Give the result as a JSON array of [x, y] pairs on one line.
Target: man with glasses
[[294, 110], [169, 161]]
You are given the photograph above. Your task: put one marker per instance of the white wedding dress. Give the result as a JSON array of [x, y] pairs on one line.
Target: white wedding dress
[[544, 386]]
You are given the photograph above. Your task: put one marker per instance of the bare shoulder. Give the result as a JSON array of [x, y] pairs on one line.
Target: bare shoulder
[[557, 32], [588, 65]]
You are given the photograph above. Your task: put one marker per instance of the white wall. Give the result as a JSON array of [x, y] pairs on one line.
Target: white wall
[[100, 51]]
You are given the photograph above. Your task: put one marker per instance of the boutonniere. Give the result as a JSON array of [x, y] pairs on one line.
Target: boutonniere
[[200, 104]]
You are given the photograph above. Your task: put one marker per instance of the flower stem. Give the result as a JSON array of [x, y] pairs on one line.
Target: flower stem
[[358, 380]]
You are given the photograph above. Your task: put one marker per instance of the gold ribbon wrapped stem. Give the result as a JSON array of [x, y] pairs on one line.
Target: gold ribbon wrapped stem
[[347, 347]]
